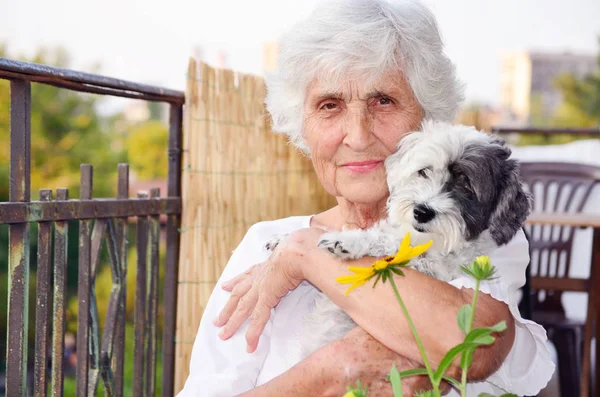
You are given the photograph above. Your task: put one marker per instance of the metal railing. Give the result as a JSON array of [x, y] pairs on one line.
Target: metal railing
[[99, 219], [592, 132]]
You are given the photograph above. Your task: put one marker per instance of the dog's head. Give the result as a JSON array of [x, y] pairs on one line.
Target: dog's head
[[456, 182]]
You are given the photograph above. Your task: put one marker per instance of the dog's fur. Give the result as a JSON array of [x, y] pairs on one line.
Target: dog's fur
[[448, 183]]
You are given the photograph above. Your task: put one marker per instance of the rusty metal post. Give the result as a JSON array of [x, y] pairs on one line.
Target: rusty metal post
[[172, 253], [121, 226], [42, 311], [83, 290], [18, 259], [140, 340], [152, 297], [61, 232]]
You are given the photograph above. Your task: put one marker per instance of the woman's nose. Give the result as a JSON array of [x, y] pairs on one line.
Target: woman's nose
[[359, 133]]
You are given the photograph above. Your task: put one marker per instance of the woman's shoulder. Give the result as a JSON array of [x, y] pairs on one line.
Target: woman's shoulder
[[266, 229]]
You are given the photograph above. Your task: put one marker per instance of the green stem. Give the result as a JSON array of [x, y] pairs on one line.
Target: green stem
[[416, 336], [463, 379]]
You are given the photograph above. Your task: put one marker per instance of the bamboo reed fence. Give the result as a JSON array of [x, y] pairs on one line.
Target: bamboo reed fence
[[236, 172]]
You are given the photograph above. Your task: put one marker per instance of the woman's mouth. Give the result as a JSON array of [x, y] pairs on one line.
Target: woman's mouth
[[361, 167]]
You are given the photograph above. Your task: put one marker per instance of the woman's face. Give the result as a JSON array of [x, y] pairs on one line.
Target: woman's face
[[352, 129]]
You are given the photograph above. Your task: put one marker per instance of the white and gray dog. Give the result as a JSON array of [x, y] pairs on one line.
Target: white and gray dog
[[448, 183]]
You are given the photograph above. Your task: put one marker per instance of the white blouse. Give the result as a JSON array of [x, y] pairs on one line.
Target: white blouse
[[224, 369]]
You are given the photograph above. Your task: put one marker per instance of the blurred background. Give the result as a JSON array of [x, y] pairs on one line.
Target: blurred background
[[526, 63]]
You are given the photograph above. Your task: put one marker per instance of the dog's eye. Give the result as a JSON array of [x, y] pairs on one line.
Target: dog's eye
[[423, 173], [466, 184]]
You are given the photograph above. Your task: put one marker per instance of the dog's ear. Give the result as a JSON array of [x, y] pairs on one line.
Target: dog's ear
[[513, 207]]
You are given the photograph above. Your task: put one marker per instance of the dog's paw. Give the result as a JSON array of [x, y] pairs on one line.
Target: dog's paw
[[338, 246], [274, 242]]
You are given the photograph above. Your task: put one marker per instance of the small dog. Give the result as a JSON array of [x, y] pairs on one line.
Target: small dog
[[448, 183]]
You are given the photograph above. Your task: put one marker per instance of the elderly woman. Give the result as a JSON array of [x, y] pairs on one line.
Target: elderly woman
[[352, 80]]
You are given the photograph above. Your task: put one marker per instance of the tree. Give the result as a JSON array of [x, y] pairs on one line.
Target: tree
[[581, 99], [147, 149], [66, 131]]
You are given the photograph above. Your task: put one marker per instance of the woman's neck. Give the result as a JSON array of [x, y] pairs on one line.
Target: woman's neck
[[350, 215]]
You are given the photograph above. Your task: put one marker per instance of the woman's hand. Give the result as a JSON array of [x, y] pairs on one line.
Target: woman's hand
[[257, 291]]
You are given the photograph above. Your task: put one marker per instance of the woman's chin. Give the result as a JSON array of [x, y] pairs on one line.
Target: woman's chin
[[365, 195]]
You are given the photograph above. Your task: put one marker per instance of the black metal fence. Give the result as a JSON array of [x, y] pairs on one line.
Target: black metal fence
[[99, 220]]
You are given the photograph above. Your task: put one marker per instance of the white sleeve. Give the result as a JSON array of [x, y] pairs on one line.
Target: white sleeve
[[528, 367], [223, 368]]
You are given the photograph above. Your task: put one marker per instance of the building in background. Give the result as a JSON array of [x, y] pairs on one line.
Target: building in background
[[527, 82]]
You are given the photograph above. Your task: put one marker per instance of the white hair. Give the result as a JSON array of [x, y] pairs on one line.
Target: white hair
[[361, 39]]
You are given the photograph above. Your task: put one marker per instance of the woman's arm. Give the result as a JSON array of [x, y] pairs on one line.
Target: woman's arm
[[330, 370], [433, 304]]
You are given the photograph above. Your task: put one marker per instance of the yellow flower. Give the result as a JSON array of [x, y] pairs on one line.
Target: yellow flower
[[483, 262], [350, 394], [481, 268], [403, 256]]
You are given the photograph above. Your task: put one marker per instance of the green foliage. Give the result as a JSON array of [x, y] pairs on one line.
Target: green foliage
[[66, 131], [147, 149], [580, 108], [481, 269]]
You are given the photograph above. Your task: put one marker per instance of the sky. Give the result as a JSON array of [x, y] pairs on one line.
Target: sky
[[150, 41]]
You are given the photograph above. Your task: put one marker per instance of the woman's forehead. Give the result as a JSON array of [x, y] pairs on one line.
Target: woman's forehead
[[351, 85]]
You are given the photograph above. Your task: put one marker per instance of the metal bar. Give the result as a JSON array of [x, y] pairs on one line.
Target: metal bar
[[172, 252], [152, 297], [83, 291], [108, 338], [122, 244], [594, 301], [98, 233], [546, 131], [112, 316], [18, 258], [38, 211], [42, 311], [66, 78], [139, 363], [61, 232]]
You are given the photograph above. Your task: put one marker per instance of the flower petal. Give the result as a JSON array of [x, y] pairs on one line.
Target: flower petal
[[419, 249]]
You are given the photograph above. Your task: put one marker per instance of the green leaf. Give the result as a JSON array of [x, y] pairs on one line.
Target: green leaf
[[377, 279], [447, 361], [397, 271], [464, 314], [413, 372], [467, 358], [396, 381], [424, 393], [484, 340], [476, 334], [501, 326]]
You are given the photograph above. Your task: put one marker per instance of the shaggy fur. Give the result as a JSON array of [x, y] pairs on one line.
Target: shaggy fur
[[448, 183]]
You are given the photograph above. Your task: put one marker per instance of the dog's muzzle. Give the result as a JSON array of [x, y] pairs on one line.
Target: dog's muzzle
[[423, 213]]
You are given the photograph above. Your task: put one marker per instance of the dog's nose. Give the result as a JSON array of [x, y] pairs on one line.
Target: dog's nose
[[423, 213]]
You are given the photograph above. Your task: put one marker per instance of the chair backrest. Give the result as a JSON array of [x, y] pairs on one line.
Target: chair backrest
[[556, 187]]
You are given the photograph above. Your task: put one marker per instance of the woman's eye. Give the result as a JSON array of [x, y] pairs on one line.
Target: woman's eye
[[423, 173], [385, 101], [329, 106]]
